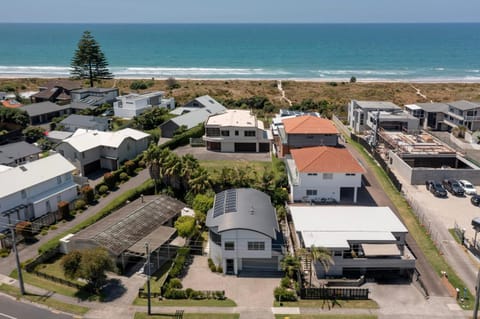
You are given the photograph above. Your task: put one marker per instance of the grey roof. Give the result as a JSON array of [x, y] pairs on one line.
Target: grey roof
[[464, 105], [243, 208], [195, 117], [433, 107], [81, 105], [43, 108], [59, 135], [382, 105], [85, 121], [209, 102], [95, 90], [122, 230], [10, 152]]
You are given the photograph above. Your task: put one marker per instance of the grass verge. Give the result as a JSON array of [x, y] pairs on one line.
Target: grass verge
[[143, 315], [416, 230], [44, 300], [186, 303], [355, 304], [326, 316]]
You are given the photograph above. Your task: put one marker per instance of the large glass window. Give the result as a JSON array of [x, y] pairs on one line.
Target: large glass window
[[213, 131], [256, 245], [229, 245], [311, 192], [249, 133], [225, 133]]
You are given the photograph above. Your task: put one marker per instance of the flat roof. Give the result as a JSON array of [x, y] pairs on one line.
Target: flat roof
[[240, 118], [433, 107], [423, 143], [381, 105], [334, 226]]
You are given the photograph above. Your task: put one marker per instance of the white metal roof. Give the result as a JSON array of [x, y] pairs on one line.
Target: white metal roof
[[412, 107], [238, 118], [83, 140], [333, 226], [33, 173]]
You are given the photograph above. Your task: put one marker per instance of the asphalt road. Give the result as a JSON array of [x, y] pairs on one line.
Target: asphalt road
[[12, 309]]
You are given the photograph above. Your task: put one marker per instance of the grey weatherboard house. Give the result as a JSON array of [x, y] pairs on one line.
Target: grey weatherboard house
[[244, 235]]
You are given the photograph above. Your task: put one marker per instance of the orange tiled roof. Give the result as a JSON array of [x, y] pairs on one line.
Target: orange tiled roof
[[326, 159], [308, 124], [11, 104]]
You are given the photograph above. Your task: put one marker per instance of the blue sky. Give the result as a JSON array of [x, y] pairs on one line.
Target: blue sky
[[240, 11]]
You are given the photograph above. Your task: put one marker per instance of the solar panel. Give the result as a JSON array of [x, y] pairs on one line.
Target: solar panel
[[219, 206], [231, 201]]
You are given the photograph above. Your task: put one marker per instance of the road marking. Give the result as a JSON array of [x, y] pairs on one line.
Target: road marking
[[7, 316]]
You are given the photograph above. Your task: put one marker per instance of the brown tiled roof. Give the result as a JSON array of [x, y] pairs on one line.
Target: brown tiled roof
[[66, 84], [308, 124], [326, 159], [46, 94]]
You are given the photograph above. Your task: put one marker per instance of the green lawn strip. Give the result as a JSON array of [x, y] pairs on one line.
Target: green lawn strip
[[416, 230], [158, 277], [186, 302], [326, 316], [256, 166], [47, 301], [143, 315], [454, 235], [357, 304], [114, 204], [54, 268]]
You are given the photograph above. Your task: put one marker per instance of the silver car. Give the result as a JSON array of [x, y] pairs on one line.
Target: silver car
[[468, 187]]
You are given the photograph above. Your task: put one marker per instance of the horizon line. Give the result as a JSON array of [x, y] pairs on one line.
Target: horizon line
[[243, 23]]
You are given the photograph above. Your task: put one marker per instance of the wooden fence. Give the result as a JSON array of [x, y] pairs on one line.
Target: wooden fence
[[334, 293]]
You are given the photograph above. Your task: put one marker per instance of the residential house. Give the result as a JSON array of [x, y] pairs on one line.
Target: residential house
[[370, 115], [34, 189], [91, 150], [244, 235], [200, 109], [149, 219], [236, 131], [44, 112], [55, 91], [322, 173], [305, 131], [94, 96], [18, 153], [366, 241], [131, 105], [75, 121]]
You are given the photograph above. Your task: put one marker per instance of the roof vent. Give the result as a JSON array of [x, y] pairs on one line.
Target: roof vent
[[23, 168]]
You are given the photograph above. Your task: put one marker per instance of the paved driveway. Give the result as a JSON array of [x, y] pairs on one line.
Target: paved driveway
[[201, 153], [246, 292]]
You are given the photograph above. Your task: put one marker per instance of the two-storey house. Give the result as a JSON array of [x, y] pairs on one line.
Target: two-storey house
[[236, 131], [91, 150], [131, 105], [244, 235], [323, 173], [34, 189]]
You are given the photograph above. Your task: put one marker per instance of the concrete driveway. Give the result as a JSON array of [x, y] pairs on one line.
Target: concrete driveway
[[202, 154], [246, 292]]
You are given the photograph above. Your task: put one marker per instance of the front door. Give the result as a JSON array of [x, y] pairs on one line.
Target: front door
[[230, 266]]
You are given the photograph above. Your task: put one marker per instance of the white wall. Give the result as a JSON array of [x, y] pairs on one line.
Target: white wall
[[325, 187]]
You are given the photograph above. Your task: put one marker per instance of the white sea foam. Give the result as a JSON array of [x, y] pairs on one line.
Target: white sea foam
[[363, 72]]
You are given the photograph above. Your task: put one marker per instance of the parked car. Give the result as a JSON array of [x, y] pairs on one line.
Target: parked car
[[453, 187], [475, 200], [437, 189], [468, 187], [108, 112], [428, 184]]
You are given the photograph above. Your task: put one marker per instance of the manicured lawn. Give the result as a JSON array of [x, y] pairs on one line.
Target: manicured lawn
[[186, 303], [213, 166], [158, 277], [416, 230], [143, 315], [47, 301], [359, 304], [326, 316]]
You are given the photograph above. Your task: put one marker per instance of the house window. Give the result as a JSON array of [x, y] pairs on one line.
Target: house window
[[225, 133], [310, 137], [213, 131], [337, 253], [59, 180], [229, 245], [249, 133], [312, 174], [236, 133], [311, 192], [362, 120], [350, 174], [256, 245], [24, 194], [327, 176]]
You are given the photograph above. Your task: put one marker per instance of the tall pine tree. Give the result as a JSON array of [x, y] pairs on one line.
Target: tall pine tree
[[89, 62]]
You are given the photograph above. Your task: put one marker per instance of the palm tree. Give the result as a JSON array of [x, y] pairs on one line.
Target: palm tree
[[189, 166], [290, 264], [320, 254], [173, 170], [151, 157], [200, 181]]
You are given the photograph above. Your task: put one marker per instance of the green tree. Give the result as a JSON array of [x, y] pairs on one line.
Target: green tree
[[317, 254], [89, 264], [201, 204], [185, 225], [33, 133], [89, 61], [290, 264], [151, 157], [13, 116]]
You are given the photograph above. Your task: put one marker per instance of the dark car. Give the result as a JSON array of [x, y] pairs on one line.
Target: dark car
[[437, 189], [475, 200], [428, 184], [454, 187]]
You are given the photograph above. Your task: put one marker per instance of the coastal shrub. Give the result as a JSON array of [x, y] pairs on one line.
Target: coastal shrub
[[139, 85], [283, 294], [88, 194], [64, 209], [353, 79], [103, 189], [80, 204], [172, 83], [109, 180], [124, 177], [332, 83], [129, 167]]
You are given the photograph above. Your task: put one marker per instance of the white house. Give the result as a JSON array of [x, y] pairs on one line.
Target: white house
[[236, 131], [128, 106], [92, 150], [243, 232], [34, 189], [366, 241], [323, 172]]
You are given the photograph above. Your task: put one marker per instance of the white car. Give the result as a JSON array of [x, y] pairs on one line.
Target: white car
[[468, 187]]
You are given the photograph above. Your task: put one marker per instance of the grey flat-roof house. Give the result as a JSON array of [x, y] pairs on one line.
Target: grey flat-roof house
[[244, 234], [200, 109], [15, 154], [94, 96], [75, 121], [44, 112]]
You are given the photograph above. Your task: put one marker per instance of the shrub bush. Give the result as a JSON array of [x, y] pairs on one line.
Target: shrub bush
[[142, 164], [124, 177], [64, 209], [219, 269], [25, 229], [129, 168], [175, 294], [88, 194], [4, 252], [175, 283], [103, 189], [283, 294], [285, 282], [109, 180], [80, 204]]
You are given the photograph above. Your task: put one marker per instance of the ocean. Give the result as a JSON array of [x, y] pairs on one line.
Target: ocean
[[369, 52]]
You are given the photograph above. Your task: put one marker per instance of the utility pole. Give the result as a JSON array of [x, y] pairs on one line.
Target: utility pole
[[477, 296], [17, 259], [149, 305]]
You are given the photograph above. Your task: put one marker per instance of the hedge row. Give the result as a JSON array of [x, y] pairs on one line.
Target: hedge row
[[184, 138]]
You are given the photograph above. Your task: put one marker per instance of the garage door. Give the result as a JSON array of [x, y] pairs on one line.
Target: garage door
[[264, 147], [347, 194], [91, 167], [245, 147], [258, 264]]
